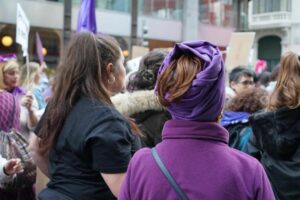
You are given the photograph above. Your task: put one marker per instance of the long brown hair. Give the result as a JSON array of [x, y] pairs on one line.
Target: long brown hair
[[82, 72], [287, 90], [177, 78]]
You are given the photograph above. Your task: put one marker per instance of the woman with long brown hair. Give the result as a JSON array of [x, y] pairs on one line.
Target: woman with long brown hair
[[277, 131], [193, 161], [84, 144]]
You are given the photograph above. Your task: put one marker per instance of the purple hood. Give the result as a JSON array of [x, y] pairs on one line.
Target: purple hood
[[204, 100]]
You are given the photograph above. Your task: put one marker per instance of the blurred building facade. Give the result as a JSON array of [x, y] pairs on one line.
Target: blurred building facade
[[167, 21], [277, 27]]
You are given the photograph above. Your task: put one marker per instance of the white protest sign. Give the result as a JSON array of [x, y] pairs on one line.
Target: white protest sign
[[133, 64], [239, 49], [22, 29], [138, 51]]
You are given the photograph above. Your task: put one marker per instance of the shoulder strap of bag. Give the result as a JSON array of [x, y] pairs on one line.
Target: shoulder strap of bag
[[12, 118], [169, 177]]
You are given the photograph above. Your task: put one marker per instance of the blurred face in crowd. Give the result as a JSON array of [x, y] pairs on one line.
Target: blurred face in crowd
[[11, 78], [244, 83], [117, 84], [37, 77]]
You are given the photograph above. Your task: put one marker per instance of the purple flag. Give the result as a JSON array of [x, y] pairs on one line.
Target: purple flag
[[39, 48], [87, 17]]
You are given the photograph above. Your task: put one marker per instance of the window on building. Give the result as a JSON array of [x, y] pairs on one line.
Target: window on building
[[165, 9], [216, 12], [74, 2], [115, 5], [266, 6]]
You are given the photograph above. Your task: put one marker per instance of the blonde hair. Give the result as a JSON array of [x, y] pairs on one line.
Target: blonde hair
[[28, 75], [6, 66], [287, 90]]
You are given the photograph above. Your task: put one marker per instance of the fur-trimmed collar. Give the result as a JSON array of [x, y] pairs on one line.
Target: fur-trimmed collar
[[139, 101]]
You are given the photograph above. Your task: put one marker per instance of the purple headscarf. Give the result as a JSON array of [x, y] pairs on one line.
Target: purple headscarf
[[204, 100]]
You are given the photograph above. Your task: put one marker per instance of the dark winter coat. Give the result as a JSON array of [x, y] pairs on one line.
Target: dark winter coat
[[150, 116], [278, 137]]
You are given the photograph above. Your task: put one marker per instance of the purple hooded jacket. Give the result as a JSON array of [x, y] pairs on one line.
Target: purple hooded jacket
[[194, 146], [204, 166]]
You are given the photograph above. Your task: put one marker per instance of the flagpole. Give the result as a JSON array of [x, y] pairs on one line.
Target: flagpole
[[67, 23], [28, 70], [134, 24]]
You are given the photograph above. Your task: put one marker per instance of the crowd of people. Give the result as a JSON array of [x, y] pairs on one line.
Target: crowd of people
[[170, 130]]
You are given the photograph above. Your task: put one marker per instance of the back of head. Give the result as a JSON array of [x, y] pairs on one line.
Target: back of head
[[145, 77], [274, 73], [250, 101], [82, 72], [239, 72], [264, 78], [10, 64], [287, 90], [191, 82], [32, 73]]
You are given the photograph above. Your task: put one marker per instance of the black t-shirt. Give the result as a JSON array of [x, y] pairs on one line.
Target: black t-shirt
[[95, 139]]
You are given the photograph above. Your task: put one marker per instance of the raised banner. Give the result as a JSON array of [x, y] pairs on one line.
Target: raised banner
[[239, 49], [87, 16], [22, 29], [138, 51]]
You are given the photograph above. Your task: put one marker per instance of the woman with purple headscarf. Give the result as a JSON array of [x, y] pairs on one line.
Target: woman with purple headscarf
[[194, 149]]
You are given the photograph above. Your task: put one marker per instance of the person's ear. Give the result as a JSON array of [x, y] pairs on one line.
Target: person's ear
[[109, 68], [232, 85], [110, 73]]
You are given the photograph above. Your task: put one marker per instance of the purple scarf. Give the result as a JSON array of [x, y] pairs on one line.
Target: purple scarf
[[204, 100], [231, 118], [17, 91]]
